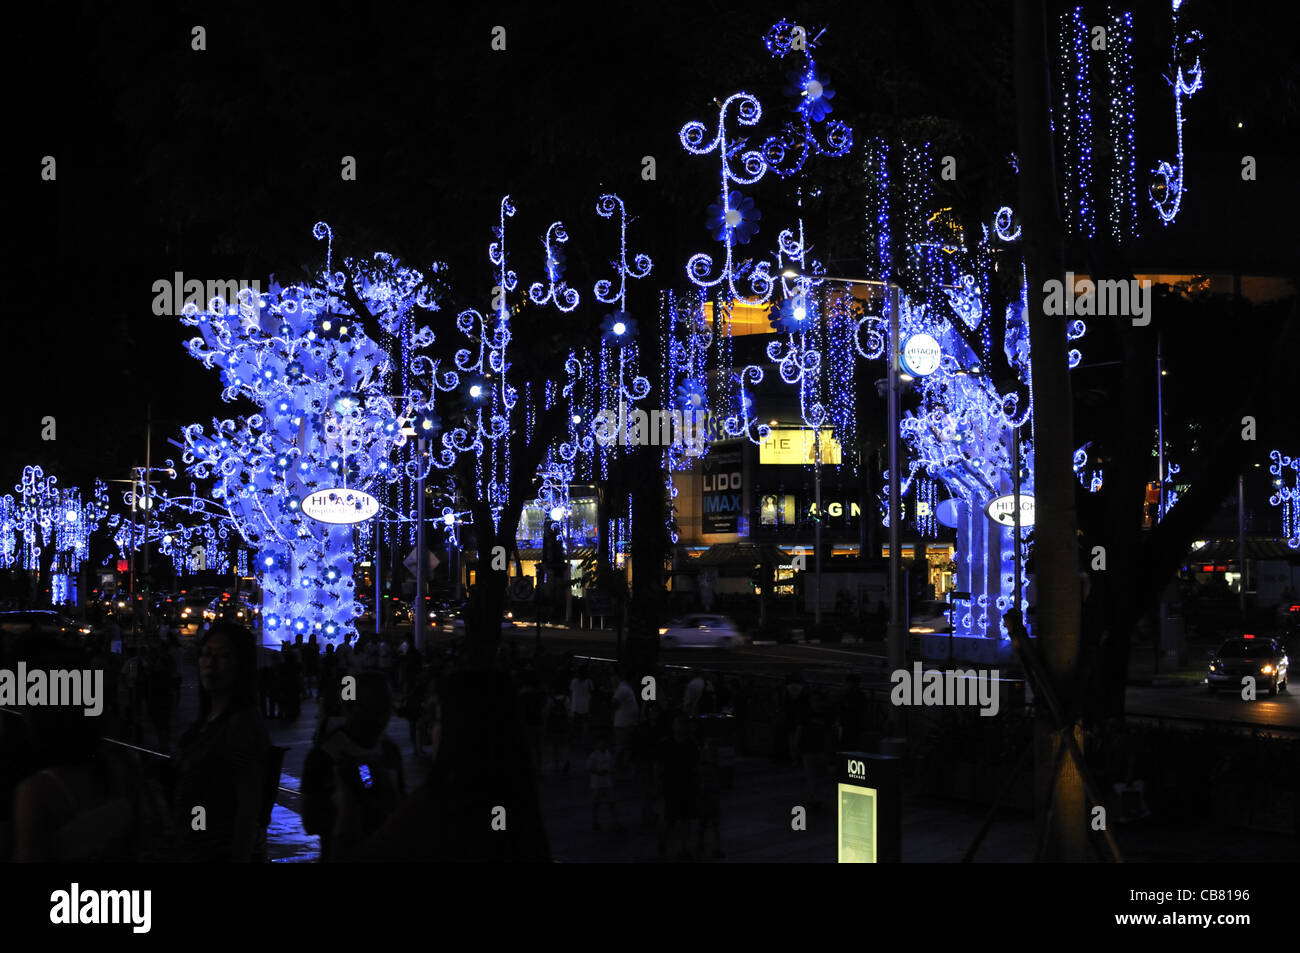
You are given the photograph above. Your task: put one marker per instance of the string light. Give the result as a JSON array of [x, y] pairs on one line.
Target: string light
[[1286, 494], [1167, 193], [1075, 115], [1121, 210]]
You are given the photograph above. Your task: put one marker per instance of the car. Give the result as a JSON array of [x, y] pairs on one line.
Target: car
[[1264, 659], [933, 615], [228, 608], [41, 620], [701, 630], [1289, 616]]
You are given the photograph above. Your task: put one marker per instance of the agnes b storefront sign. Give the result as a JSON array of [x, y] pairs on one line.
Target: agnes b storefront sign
[[1002, 510], [921, 354], [340, 506]]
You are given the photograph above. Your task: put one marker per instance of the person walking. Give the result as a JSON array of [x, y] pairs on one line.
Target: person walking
[[220, 762], [358, 754], [557, 731], [627, 713], [580, 689]]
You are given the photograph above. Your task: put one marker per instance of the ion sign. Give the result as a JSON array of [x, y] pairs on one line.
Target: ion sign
[[1003, 510], [340, 506], [921, 355]]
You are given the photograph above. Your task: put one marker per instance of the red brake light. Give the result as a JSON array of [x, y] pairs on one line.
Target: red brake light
[[1247, 636]]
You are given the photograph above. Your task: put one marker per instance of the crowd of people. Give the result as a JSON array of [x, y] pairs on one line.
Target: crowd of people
[[655, 753]]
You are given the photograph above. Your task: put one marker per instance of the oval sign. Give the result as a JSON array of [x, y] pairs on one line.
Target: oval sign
[[1002, 510], [340, 506], [921, 355], [947, 513]]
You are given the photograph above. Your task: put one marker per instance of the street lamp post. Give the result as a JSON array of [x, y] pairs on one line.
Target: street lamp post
[[896, 635], [418, 611]]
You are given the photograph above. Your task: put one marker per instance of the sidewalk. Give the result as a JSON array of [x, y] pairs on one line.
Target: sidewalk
[[756, 816]]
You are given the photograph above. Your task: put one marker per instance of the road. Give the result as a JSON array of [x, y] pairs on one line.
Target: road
[[1169, 701]]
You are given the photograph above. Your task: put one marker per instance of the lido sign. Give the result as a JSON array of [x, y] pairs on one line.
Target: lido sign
[[340, 506], [1002, 510]]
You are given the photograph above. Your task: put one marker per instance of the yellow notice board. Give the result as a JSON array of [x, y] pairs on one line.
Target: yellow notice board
[[857, 824], [798, 446]]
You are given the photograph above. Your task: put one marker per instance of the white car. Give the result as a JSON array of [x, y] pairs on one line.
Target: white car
[[701, 629]]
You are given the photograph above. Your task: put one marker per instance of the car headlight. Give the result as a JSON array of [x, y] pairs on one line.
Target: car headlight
[[1267, 670], [84, 630], [663, 631], [1214, 666]]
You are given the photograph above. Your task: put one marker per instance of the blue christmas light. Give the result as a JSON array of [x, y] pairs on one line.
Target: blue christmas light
[[1167, 193]]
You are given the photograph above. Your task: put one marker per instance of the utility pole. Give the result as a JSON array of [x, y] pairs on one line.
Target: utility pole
[[1241, 542], [148, 480], [1160, 425]]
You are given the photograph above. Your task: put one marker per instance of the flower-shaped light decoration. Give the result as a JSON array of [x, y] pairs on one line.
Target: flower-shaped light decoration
[[427, 424], [811, 87], [690, 395], [791, 316], [619, 328], [738, 221]]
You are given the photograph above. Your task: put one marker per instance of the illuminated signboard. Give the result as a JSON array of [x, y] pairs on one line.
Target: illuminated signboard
[[857, 824], [799, 447], [1003, 510], [921, 355], [721, 491], [340, 506]]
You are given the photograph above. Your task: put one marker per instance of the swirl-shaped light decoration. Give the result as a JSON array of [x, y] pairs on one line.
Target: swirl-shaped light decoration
[[1002, 225], [1167, 194], [695, 139], [788, 152], [555, 291], [617, 386], [1286, 494]]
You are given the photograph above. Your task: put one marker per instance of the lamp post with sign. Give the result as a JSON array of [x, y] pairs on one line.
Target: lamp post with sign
[[896, 636]]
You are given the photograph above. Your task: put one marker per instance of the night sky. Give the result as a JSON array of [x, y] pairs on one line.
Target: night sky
[[218, 163]]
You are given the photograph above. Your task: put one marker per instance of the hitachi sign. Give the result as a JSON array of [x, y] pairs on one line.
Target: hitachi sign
[[340, 506], [1003, 510]]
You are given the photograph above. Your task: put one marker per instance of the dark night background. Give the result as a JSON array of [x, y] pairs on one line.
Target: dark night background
[[218, 163]]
